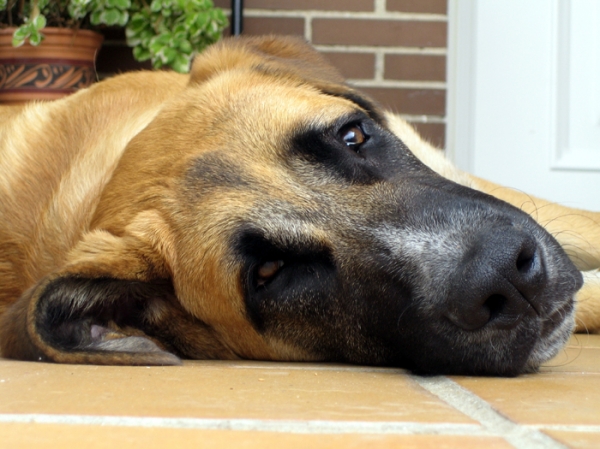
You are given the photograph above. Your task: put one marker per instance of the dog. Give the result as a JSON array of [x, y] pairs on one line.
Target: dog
[[260, 208]]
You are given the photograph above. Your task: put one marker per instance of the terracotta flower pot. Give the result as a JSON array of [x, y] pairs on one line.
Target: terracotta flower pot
[[61, 64]]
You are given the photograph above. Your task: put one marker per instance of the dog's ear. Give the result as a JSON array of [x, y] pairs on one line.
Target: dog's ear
[[112, 303], [72, 319], [284, 57]]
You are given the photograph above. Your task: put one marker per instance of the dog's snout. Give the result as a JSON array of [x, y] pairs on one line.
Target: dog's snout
[[498, 281]]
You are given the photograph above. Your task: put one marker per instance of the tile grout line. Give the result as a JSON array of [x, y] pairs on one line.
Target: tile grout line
[[290, 426], [521, 437], [260, 425]]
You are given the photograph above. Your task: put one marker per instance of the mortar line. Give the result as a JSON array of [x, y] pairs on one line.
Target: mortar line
[[468, 403], [356, 15]]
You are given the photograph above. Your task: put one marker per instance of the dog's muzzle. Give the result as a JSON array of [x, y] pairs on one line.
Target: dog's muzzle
[[497, 281]]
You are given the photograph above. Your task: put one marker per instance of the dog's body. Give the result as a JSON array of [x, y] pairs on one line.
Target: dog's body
[[262, 209]]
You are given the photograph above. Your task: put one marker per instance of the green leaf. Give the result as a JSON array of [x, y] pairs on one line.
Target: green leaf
[[141, 54], [137, 23], [120, 4], [157, 63], [184, 46], [181, 64], [36, 38], [38, 22], [170, 54], [124, 18], [180, 29], [202, 20], [3, 4], [22, 32], [156, 5], [95, 17], [17, 41], [111, 16]]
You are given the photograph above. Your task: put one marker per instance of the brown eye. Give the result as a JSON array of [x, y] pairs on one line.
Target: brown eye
[[353, 136], [267, 270]]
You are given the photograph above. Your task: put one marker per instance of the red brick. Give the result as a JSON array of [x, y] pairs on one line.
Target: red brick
[[435, 133], [410, 101], [273, 25], [353, 65], [269, 25], [379, 32], [418, 6], [415, 67]]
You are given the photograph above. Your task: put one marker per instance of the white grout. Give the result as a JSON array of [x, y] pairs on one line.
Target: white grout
[[569, 428], [491, 423], [260, 425], [521, 437]]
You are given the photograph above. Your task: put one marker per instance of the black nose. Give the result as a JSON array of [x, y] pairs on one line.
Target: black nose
[[497, 281]]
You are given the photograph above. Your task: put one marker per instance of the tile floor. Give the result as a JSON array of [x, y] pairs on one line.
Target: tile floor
[[282, 405]]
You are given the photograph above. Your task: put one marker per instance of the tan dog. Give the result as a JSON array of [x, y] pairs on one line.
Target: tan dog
[[260, 208]]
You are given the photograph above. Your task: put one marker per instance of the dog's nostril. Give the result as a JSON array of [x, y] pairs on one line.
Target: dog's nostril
[[525, 261], [495, 305]]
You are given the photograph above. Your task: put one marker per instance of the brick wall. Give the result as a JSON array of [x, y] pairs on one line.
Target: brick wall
[[394, 50]]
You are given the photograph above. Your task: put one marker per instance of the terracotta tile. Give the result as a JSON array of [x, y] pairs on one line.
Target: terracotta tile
[[542, 399], [576, 440], [42, 436], [200, 389], [585, 341], [574, 359]]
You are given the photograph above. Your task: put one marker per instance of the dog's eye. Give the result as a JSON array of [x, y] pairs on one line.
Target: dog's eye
[[353, 136], [267, 270]]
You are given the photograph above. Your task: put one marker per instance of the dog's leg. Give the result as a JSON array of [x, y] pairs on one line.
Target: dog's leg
[[588, 303]]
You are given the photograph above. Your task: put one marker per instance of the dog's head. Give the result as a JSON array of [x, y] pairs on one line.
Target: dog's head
[[269, 212]]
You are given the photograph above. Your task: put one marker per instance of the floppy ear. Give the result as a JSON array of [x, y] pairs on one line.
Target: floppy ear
[[284, 57], [71, 319], [113, 304], [283, 54]]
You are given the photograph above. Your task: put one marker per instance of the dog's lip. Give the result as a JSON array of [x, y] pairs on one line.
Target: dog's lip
[[557, 316]]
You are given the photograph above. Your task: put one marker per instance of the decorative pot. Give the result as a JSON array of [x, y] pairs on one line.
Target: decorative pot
[[63, 63]]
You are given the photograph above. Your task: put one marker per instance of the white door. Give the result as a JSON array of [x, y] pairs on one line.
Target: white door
[[524, 95]]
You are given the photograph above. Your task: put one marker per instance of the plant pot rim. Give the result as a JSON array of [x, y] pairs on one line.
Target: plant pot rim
[[58, 36], [54, 30]]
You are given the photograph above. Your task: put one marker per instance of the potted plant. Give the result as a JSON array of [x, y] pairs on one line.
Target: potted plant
[[168, 32]]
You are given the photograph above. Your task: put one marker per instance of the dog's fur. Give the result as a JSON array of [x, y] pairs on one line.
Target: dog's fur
[[260, 208]]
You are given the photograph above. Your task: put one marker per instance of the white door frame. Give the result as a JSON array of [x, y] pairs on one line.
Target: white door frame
[[518, 79], [459, 79]]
